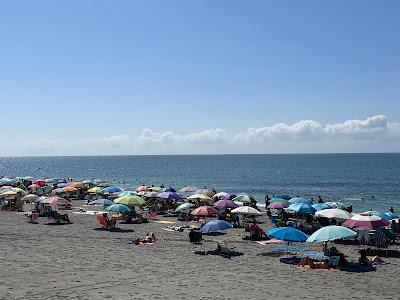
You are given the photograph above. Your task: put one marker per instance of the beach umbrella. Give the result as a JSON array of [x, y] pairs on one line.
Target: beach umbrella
[[127, 193], [170, 189], [219, 196], [220, 204], [334, 213], [131, 200], [391, 215], [229, 197], [9, 193], [246, 210], [321, 206], [20, 191], [277, 205], [103, 202], [331, 233], [33, 186], [112, 189], [300, 200], [302, 208], [209, 193], [215, 226], [69, 189], [273, 200], [120, 208], [56, 191], [155, 189], [95, 190], [204, 211], [188, 189], [287, 234], [200, 197], [30, 197], [244, 198], [169, 195], [56, 201], [283, 196], [40, 199], [142, 188], [379, 214], [184, 206], [40, 182], [365, 222], [148, 194], [78, 185], [336, 205], [88, 181], [8, 181], [61, 185]]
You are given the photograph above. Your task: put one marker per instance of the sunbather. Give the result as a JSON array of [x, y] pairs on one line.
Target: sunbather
[[150, 238]]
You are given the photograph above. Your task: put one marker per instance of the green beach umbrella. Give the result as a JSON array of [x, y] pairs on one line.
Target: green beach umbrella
[[130, 200], [273, 200], [184, 206]]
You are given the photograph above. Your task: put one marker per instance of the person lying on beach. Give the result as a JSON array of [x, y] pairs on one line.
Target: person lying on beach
[[149, 239], [308, 262]]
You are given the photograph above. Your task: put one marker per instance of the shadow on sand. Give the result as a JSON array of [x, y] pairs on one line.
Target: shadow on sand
[[114, 229]]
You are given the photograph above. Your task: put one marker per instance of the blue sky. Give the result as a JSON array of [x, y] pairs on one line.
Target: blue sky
[[89, 77]]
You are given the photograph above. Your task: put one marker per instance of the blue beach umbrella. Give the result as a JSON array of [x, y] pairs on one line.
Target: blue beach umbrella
[[379, 214], [302, 208], [300, 200], [321, 206], [112, 189], [104, 202], [215, 226], [287, 234], [120, 208], [169, 196], [391, 215]]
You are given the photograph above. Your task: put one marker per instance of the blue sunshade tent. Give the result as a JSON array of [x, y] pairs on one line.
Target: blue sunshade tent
[[331, 233], [112, 189], [215, 226], [104, 202], [302, 208], [120, 208], [287, 234], [321, 206]]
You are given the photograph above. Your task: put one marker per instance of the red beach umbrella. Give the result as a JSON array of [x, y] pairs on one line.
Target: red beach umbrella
[[365, 221], [40, 182], [205, 211]]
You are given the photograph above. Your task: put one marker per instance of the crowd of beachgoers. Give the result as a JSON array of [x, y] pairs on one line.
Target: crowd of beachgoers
[[293, 219]]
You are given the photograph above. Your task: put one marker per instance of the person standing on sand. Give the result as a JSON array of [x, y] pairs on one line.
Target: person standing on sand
[[391, 209], [267, 199]]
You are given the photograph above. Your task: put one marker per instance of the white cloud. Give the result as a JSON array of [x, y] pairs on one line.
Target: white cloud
[[206, 136]]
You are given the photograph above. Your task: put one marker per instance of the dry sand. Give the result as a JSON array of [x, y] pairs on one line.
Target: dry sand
[[77, 261]]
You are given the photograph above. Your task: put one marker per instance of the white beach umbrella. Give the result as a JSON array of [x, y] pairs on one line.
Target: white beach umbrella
[[220, 195], [246, 210], [200, 197], [334, 213]]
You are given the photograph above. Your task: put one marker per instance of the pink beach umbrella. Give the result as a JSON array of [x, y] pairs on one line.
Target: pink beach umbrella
[[365, 222], [143, 188], [40, 182], [225, 204], [278, 205], [204, 211]]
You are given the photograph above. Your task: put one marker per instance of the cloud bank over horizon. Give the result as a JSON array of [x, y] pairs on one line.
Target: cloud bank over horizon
[[304, 136]]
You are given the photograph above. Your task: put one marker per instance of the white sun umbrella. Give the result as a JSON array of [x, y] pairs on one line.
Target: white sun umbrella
[[246, 210], [220, 195], [188, 189], [334, 213], [200, 197]]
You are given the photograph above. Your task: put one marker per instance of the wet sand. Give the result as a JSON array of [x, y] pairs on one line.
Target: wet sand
[[78, 261]]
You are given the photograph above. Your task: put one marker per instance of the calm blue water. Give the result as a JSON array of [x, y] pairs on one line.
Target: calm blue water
[[345, 177]]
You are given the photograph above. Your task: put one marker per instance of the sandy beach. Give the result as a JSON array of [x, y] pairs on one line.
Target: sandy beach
[[78, 261]]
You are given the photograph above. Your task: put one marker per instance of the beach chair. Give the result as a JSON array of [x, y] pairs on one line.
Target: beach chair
[[196, 238], [223, 249], [151, 215], [103, 222]]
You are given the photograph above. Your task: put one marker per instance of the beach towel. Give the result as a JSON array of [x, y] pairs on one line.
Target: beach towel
[[165, 222], [268, 242], [129, 242]]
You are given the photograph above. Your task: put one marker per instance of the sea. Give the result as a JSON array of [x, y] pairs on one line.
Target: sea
[[367, 181]]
